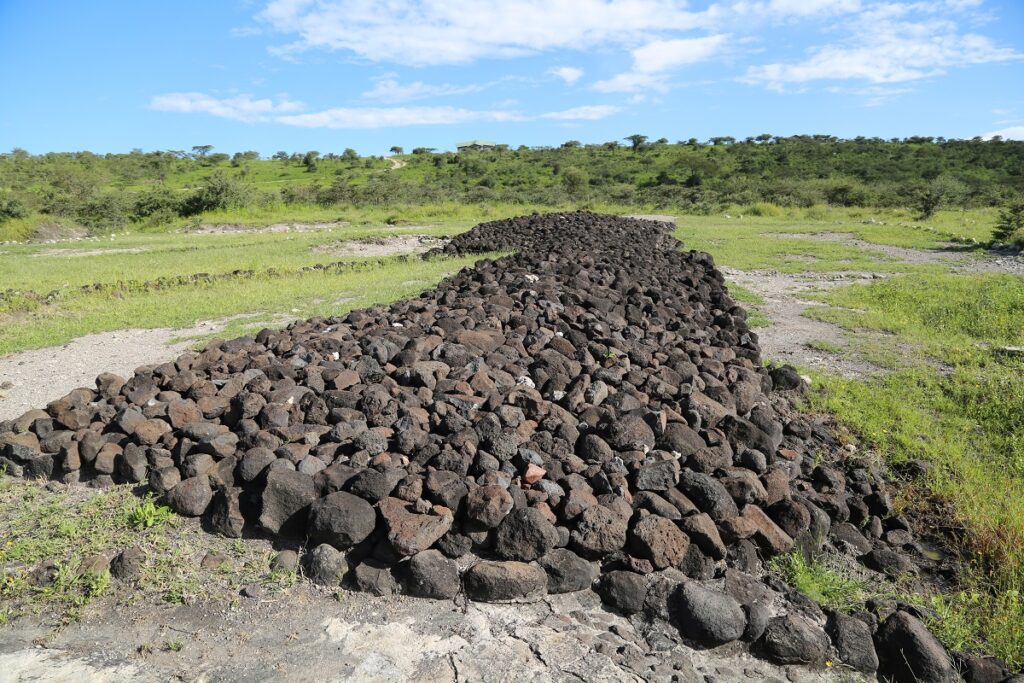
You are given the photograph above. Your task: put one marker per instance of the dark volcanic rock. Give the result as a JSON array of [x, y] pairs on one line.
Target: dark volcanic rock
[[708, 616], [285, 500], [524, 535], [567, 571], [908, 652], [341, 519], [432, 575], [505, 581], [595, 396], [792, 639]]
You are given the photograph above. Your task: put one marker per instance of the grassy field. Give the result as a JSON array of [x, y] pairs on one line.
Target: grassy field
[[951, 399]]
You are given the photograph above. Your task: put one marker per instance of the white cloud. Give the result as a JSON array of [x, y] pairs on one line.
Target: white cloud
[[244, 108], [569, 74], [888, 43], [391, 91], [436, 32], [589, 112], [663, 55], [1012, 133], [238, 108], [392, 117], [652, 61]]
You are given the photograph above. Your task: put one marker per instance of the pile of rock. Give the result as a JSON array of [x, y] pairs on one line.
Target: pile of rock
[[589, 412]]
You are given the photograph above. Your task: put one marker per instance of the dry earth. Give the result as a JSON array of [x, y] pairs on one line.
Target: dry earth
[[306, 633], [382, 246]]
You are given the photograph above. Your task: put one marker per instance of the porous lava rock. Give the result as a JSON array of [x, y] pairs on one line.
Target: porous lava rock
[[594, 401]]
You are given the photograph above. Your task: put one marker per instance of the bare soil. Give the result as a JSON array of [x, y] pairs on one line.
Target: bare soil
[[381, 246], [232, 228], [306, 633]]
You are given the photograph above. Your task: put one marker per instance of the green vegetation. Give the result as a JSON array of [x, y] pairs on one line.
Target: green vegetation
[[1010, 227], [764, 174], [52, 541], [820, 582], [966, 418]]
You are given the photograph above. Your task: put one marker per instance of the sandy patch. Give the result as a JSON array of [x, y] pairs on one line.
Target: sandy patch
[[88, 252], [233, 228], [392, 245]]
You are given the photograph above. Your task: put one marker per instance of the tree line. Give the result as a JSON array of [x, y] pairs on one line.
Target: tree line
[[923, 173]]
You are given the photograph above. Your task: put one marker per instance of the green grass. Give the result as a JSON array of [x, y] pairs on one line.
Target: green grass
[[965, 418], [295, 295], [817, 580], [68, 526]]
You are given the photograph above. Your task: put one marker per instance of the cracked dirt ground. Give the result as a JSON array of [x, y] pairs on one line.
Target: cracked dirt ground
[[304, 634]]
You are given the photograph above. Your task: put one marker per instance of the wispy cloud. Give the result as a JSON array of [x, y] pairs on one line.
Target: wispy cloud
[[653, 62], [238, 108], [392, 117], [888, 43], [390, 90], [569, 74], [1012, 133], [282, 111], [425, 33], [589, 112]]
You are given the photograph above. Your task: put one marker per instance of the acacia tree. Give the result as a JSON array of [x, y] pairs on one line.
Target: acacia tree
[[397, 150], [636, 140], [201, 150]]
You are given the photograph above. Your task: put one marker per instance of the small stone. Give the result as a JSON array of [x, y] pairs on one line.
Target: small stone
[[432, 575], [375, 578], [907, 651], [326, 565], [488, 505], [567, 571], [599, 531], [341, 519], [128, 563], [488, 581], [659, 540], [625, 591], [191, 497], [286, 561]]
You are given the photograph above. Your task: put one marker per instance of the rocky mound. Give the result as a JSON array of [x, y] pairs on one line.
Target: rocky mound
[[589, 412]]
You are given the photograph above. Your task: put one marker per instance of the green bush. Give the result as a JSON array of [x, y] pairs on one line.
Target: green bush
[[1010, 227]]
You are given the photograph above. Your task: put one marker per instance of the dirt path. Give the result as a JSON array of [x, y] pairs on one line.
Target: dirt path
[[395, 163], [381, 246], [787, 339]]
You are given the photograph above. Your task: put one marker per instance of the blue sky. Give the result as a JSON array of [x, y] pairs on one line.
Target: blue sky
[[329, 74]]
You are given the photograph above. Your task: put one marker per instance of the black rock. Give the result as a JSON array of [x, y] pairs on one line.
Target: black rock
[[432, 575], [525, 534], [625, 591], [567, 571], [792, 639], [341, 519], [852, 638], [907, 651], [707, 616], [326, 565]]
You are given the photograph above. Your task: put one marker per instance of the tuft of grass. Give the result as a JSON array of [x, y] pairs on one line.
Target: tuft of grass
[[821, 583], [824, 345], [146, 514]]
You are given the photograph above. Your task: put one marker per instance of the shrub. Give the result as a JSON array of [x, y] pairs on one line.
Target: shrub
[[1010, 227], [10, 208]]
